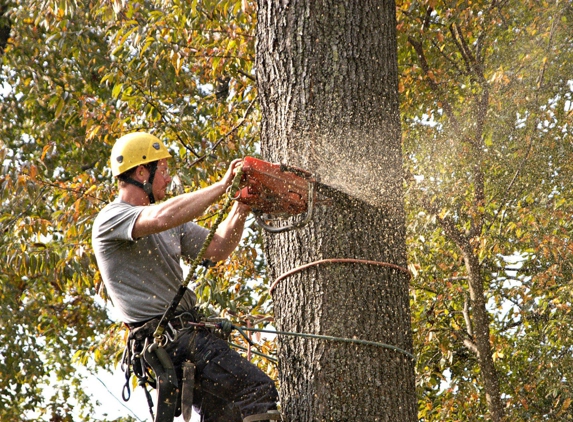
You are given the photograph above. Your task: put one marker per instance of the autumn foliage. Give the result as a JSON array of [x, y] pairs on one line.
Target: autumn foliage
[[487, 108]]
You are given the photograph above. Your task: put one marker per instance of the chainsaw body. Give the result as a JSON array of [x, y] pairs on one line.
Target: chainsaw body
[[276, 190]]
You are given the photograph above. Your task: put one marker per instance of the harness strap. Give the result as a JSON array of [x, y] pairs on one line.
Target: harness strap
[[187, 386], [151, 357], [147, 186]]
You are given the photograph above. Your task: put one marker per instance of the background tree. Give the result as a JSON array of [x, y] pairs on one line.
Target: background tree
[[487, 115], [327, 79]]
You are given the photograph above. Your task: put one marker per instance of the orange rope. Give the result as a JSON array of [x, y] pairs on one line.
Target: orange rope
[[336, 261]]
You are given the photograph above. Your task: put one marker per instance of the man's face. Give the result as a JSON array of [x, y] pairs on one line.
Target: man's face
[[162, 180]]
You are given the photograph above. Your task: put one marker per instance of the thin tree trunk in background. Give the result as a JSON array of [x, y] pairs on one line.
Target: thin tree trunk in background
[[327, 79], [4, 28], [482, 338]]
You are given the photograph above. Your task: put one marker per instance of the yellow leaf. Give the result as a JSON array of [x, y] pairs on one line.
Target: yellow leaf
[[93, 131], [45, 151]]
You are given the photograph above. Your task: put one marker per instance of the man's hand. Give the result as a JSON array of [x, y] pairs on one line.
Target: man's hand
[[243, 209], [227, 179]]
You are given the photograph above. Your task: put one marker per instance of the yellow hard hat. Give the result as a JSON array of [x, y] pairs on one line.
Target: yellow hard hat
[[135, 149]]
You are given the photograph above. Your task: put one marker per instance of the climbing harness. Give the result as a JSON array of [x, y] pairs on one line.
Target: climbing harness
[[148, 360], [151, 364]]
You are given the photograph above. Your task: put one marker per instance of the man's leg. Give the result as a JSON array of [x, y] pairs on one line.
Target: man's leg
[[225, 374], [228, 386]]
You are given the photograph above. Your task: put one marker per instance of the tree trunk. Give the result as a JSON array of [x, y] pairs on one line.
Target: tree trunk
[[327, 79], [481, 336]]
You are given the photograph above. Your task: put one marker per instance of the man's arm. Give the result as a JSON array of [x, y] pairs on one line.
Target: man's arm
[[182, 208], [228, 234]]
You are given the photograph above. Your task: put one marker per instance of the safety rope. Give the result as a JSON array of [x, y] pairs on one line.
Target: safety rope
[[331, 338], [336, 261], [170, 312], [254, 352], [336, 339], [226, 327]]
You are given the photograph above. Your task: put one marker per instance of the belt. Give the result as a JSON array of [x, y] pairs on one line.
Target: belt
[[182, 319], [178, 321]]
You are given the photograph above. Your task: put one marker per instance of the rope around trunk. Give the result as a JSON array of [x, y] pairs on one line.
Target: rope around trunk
[[336, 261]]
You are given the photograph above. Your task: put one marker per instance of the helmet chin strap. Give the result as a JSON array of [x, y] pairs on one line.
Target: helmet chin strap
[[148, 185]]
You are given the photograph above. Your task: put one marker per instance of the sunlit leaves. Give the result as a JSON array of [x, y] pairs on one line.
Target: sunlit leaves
[[82, 73], [486, 107]]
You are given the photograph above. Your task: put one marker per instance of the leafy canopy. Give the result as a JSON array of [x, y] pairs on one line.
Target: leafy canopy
[[80, 74], [486, 108], [487, 113]]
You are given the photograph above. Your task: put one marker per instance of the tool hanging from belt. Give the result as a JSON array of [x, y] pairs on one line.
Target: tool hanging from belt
[[151, 364], [144, 356]]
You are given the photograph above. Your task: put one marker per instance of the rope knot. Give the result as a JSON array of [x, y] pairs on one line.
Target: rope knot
[[226, 327]]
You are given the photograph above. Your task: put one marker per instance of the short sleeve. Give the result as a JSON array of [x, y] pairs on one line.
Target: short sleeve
[[116, 221]]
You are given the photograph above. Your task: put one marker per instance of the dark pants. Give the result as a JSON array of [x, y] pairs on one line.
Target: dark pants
[[227, 386]]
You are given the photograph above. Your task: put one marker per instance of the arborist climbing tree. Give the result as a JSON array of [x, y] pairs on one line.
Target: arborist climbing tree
[[139, 240]]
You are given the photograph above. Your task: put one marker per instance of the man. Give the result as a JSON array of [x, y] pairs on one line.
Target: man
[[138, 245]]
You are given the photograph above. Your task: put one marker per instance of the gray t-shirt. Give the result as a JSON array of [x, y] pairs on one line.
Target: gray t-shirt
[[142, 275]]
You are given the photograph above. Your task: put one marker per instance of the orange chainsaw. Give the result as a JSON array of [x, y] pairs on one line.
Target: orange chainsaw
[[276, 190]]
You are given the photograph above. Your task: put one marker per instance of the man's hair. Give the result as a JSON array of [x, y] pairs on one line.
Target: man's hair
[[129, 173]]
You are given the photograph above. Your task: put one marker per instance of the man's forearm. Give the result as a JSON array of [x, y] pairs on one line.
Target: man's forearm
[[228, 234]]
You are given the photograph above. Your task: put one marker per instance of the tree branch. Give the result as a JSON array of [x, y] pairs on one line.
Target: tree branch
[[226, 135], [467, 318], [433, 84]]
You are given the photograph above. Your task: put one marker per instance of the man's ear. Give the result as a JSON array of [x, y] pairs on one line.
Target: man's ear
[[140, 173]]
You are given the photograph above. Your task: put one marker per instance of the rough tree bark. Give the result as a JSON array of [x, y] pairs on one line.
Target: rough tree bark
[[327, 79]]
